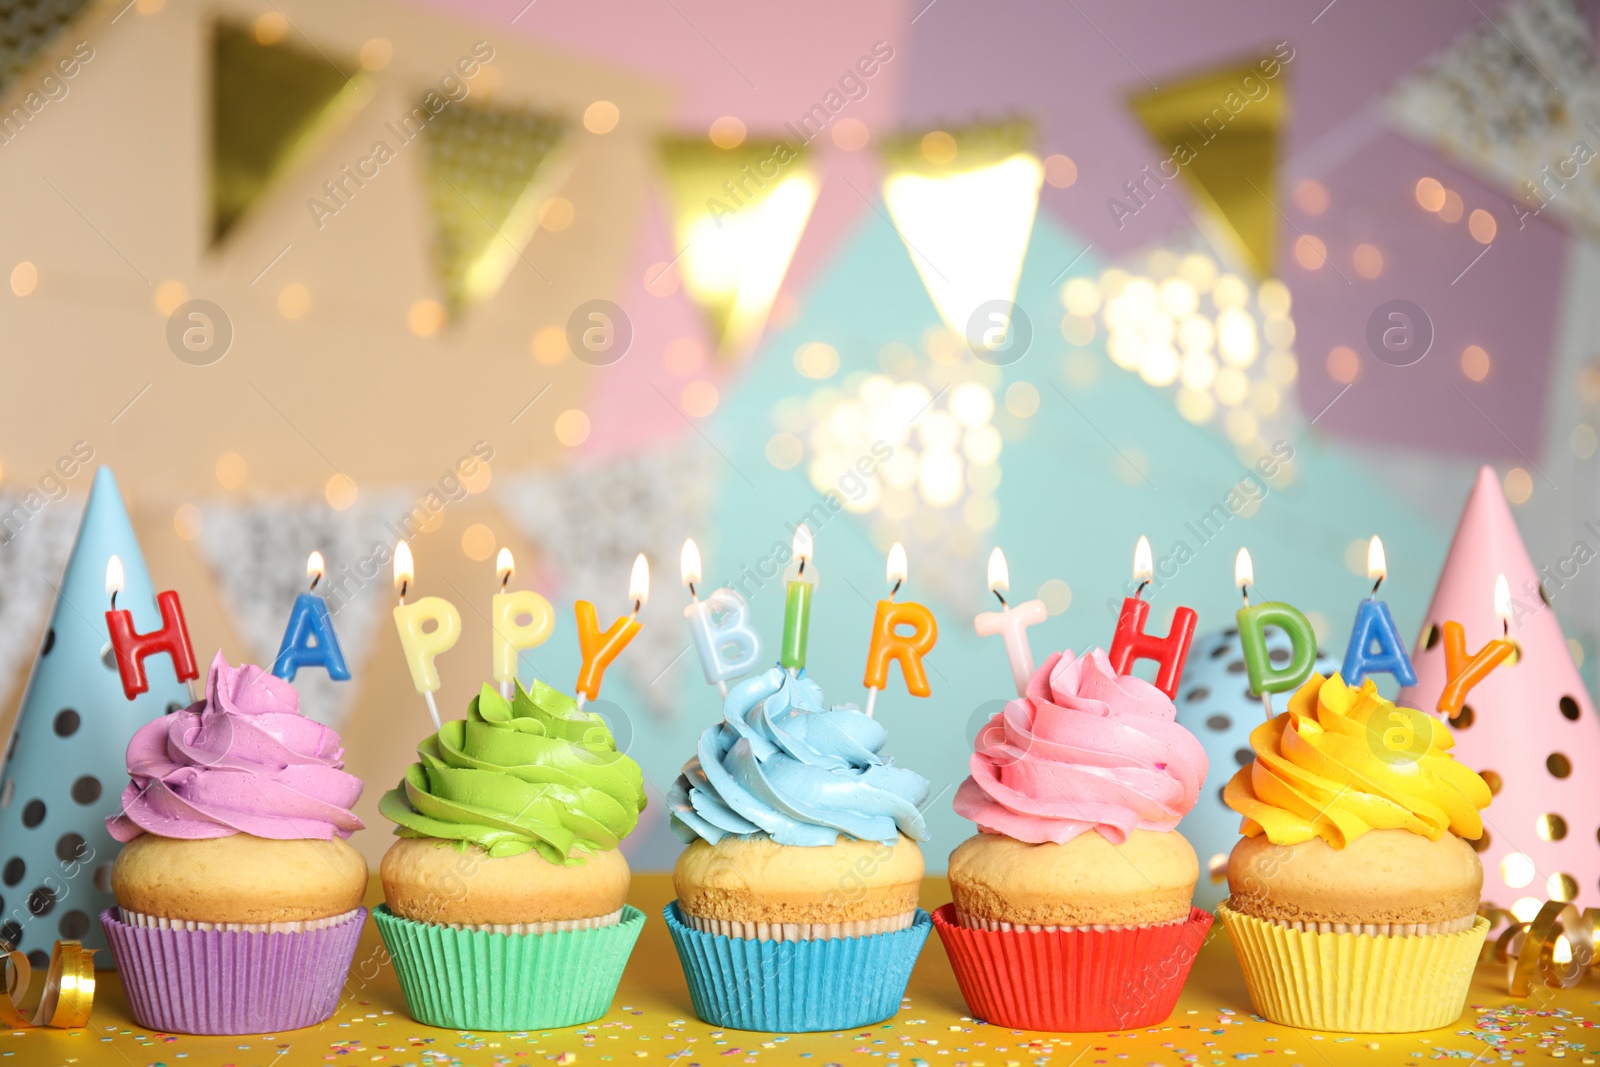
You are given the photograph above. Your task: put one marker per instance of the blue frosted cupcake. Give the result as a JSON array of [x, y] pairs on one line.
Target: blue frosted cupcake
[[797, 896]]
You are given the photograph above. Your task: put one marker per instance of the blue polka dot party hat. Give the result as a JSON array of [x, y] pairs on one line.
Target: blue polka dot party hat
[[65, 764], [1216, 705]]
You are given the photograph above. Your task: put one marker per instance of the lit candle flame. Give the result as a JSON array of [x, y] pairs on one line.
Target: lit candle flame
[[1377, 564], [1244, 572], [504, 566], [803, 545], [1502, 602], [999, 573], [1143, 569], [639, 583], [404, 568], [114, 578], [316, 569], [689, 563], [896, 570]]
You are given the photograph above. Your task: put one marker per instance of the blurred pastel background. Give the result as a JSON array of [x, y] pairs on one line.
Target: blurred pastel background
[[410, 356]]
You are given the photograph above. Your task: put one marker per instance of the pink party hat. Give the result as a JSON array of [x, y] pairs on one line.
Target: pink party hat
[[1529, 727]]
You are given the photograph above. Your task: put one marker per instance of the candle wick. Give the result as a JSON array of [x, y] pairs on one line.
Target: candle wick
[[1505, 627], [692, 592], [113, 600], [1138, 594], [505, 581], [896, 588], [1000, 597], [315, 578], [404, 585], [1376, 584], [1244, 591], [802, 571]]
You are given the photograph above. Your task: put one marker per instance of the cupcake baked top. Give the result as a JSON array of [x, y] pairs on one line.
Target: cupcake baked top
[[532, 772], [783, 765], [1085, 749], [242, 761], [1341, 762]]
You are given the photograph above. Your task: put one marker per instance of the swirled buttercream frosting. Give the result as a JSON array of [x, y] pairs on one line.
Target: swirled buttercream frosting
[[1343, 761], [783, 765], [242, 761], [532, 772], [1085, 749]]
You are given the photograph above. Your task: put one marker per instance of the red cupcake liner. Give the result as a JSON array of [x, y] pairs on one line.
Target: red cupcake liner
[[1072, 981]]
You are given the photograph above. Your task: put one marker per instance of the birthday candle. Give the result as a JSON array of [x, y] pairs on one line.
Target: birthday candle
[[521, 619], [309, 640], [891, 642], [1011, 623], [1130, 642], [1375, 645], [420, 645], [133, 648], [1464, 671], [1253, 623], [720, 625], [600, 647], [797, 603]]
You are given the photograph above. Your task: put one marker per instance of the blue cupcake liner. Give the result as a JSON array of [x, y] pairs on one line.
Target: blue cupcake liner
[[796, 986]]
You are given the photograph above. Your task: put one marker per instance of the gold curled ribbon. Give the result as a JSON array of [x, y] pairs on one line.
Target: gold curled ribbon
[[1529, 949], [68, 988]]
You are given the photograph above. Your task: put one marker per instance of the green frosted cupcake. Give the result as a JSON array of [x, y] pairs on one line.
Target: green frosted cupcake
[[506, 894]]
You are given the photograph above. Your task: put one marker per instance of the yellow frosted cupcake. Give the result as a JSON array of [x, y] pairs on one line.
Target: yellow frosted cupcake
[[1354, 893]]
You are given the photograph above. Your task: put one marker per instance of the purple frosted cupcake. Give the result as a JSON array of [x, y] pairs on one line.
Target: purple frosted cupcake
[[238, 895]]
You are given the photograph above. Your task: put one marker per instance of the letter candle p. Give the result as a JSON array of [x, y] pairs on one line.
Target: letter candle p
[[422, 646]]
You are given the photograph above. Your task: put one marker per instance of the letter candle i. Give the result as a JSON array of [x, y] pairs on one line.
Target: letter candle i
[[797, 604]]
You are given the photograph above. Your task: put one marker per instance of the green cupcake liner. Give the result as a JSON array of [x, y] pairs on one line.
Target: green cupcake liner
[[476, 980]]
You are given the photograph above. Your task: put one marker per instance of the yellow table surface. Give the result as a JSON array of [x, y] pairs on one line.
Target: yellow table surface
[[651, 1021]]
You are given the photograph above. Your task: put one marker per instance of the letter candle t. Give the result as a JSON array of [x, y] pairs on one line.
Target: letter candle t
[[1011, 623]]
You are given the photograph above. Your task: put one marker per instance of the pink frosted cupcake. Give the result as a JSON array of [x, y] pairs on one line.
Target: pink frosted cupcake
[[1072, 906], [238, 897]]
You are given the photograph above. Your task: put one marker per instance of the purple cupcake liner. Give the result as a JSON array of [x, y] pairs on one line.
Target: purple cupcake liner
[[220, 982]]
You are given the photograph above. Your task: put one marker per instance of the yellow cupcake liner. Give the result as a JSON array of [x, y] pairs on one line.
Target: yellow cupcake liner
[[1354, 983]]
